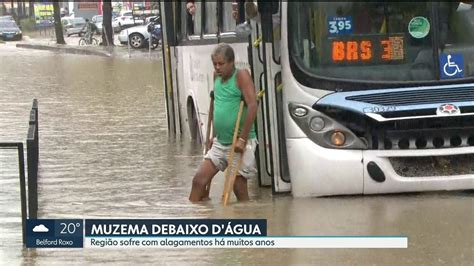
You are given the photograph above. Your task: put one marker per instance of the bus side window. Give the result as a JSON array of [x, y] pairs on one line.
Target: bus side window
[[210, 22], [197, 18], [228, 20], [192, 16]]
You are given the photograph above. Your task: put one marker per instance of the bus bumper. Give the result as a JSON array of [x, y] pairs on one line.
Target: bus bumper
[[426, 179], [317, 171]]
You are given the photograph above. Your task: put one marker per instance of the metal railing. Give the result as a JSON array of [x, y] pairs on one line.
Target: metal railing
[[32, 146], [32, 143], [21, 166]]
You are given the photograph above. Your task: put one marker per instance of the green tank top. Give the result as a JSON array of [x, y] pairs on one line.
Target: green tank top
[[227, 98]]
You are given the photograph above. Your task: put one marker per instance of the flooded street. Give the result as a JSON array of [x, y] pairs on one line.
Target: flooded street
[[105, 153]]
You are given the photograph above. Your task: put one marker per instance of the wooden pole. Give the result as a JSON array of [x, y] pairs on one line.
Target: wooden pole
[[228, 172]]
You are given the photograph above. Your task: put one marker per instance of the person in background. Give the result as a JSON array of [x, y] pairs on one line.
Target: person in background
[[88, 29], [191, 11], [235, 10]]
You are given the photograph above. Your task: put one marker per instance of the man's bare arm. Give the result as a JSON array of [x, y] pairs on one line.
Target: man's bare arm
[[245, 84]]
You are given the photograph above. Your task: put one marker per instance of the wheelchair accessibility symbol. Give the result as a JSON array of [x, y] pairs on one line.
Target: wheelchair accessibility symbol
[[452, 66]]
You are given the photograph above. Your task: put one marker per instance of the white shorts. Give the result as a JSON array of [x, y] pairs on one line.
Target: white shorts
[[219, 154]]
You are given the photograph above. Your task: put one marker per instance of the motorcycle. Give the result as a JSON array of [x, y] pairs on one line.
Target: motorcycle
[[155, 35]]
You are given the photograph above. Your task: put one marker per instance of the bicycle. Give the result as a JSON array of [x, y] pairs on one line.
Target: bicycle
[[84, 41]]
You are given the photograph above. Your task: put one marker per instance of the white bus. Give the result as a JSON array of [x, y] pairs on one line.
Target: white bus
[[360, 97]]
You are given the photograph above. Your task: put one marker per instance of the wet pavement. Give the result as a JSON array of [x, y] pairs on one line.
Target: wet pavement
[[105, 153]]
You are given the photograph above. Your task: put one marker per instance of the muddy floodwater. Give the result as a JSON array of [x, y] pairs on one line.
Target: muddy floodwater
[[105, 153]]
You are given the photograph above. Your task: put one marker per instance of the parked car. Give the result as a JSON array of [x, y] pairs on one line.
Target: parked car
[[98, 19], [73, 26], [8, 18], [138, 35], [125, 20], [152, 19], [9, 30]]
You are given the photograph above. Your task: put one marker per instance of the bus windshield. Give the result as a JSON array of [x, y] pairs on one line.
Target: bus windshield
[[384, 42]]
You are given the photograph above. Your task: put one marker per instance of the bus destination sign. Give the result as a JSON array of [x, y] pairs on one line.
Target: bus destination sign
[[368, 49]]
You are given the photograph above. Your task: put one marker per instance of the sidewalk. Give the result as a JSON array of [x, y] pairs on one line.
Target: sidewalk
[[72, 47], [66, 48]]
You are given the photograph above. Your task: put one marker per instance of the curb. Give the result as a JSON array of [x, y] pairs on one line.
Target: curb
[[65, 49]]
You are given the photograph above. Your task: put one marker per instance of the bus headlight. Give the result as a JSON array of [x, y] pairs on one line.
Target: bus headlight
[[316, 123], [324, 130], [300, 111], [338, 138]]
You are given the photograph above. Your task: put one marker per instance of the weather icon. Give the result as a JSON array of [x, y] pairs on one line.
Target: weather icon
[[40, 229]]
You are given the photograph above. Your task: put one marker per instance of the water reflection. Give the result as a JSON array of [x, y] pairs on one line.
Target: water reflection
[[105, 153]]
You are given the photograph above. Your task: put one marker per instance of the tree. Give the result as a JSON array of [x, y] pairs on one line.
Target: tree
[[21, 10], [107, 31], [31, 6], [3, 9], [57, 23]]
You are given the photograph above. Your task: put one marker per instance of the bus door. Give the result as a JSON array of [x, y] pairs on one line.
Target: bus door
[[273, 164], [169, 67]]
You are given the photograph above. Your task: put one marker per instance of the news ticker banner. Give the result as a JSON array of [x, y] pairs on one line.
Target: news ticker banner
[[183, 233]]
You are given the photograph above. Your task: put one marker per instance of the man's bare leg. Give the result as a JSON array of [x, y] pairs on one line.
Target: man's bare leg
[[204, 175], [240, 188]]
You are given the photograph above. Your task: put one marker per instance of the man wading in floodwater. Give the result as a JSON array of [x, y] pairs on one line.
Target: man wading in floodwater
[[230, 84]]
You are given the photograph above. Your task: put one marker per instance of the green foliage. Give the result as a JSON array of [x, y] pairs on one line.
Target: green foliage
[[28, 24]]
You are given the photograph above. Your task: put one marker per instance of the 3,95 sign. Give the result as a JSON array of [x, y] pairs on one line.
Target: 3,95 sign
[[340, 25]]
